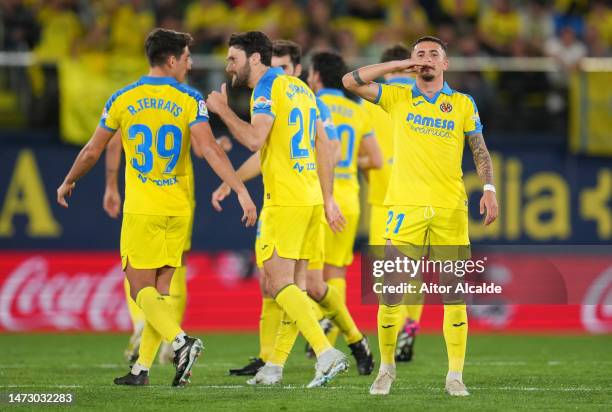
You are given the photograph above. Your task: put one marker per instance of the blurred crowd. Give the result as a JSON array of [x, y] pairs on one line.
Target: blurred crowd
[[565, 29], [99, 33]]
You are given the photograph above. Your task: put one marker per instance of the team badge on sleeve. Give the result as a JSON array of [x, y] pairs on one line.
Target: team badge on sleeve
[[202, 110], [262, 103], [446, 107]]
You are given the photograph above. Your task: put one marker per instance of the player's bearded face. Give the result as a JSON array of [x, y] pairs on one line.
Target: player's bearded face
[[238, 67]]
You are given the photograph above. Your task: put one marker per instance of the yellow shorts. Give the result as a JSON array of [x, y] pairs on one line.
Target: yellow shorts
[[339, 246], [293, 231], [152, 242], [187, 247], [425, 228], [318, 248], [378, 216]]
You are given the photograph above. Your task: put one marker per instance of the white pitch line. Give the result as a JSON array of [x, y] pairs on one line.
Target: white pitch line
[[41, 386], [360, 388]]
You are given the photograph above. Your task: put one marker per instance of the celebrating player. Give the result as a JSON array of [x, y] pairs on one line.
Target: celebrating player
[[426, 196], [159, 119], [284, 125], [328, 302], [378, 181]]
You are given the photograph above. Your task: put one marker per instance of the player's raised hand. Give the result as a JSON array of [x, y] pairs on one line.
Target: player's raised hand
[[64, 191], [248, 207], [218, 195], [335, 219], [217, 99], [409, 65], [488, 203], [112, 202]]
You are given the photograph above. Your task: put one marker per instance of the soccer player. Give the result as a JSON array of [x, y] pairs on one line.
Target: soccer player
[[298, 189], [359, 150], [378, 180], [177, 297], [159, 118], [329, 302], [426, 196]]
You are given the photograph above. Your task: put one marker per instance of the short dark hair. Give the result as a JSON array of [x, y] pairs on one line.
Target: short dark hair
[[253, 42], [163, 43], [433, 39], [395, 52], [282, 48], [331, 68]]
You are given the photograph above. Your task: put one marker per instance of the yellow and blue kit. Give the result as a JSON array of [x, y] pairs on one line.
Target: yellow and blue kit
[[426, 196], [292, 209], [155, 115]]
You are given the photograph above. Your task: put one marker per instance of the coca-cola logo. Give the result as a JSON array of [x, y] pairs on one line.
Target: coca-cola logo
[[596, 311], [32, 298]]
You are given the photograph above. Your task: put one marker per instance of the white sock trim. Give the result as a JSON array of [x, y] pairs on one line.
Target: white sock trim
[[137, 368], [179, 341]]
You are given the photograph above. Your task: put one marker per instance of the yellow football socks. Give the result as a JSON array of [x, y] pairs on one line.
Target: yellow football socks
[[340, 285], [455, 335], [298, 307], [149, 344], [390, 321], [285, 339], [136, 313], [178, 293], [158, 313], [269, 324], [335, 309]]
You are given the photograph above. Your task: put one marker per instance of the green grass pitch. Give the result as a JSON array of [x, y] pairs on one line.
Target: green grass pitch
[[503, 372]]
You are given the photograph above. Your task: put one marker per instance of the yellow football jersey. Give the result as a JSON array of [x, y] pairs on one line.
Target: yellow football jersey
[[352, 125], [288, 164], [378, 179], [154, 115], [429, 137]]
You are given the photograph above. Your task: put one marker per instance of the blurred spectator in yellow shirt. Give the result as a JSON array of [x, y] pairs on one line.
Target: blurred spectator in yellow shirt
[[600, 19], [129, 25], [60, 28], [209, 21], [408, 18], [498, 27]]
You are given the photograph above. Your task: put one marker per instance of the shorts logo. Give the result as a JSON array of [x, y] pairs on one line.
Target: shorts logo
[[104, 113], [446, 107]]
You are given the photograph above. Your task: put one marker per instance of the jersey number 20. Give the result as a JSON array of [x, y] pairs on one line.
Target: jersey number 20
[[145, 165]]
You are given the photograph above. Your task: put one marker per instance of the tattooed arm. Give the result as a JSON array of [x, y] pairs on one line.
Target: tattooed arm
[[484, 168]]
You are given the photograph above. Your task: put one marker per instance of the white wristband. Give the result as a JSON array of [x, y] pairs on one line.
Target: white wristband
[[488, 187]]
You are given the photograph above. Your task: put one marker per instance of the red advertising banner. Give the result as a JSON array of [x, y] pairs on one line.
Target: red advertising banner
[[83, 291]]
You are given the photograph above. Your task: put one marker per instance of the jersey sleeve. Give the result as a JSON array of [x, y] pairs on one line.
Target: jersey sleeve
[[197, 112], [110, 119], [262, 101], [325, 116], [471, 120], [388, 95]]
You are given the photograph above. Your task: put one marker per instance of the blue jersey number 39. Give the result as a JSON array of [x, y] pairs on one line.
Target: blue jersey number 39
[[165, 133]]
